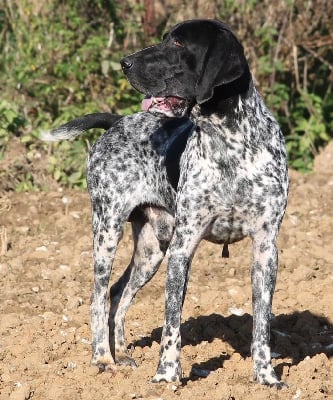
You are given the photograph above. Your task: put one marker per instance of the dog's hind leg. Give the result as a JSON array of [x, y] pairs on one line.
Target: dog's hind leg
[[148, 254], [107, 231]]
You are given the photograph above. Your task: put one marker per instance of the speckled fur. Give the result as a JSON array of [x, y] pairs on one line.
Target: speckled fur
[[132, 173], [233, 173], [128, 180], [232, 183]]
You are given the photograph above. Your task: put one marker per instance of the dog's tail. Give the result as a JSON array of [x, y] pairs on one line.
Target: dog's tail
[[77, 126]]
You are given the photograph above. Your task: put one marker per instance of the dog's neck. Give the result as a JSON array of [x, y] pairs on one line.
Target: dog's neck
[[226, 98]]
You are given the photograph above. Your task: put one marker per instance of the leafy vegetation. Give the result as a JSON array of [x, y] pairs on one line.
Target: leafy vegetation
[[61, 60]]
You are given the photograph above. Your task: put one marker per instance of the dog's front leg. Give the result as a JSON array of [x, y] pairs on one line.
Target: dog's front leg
[[169, 369], [264, 271], [183, 245]]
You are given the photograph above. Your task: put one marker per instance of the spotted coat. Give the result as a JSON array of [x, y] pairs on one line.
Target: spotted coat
[[220, 175]]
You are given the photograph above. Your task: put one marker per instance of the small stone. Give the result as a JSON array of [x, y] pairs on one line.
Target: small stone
[[41, 248], [236, 311], [71, 365], [63, 267], [21, 392], [297, 394], [65, 318], [22, 229]]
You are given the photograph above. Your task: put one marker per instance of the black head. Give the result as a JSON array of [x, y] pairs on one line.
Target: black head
[[194, 58]]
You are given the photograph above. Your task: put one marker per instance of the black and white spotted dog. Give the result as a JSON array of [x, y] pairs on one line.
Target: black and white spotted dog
[[220, 175]]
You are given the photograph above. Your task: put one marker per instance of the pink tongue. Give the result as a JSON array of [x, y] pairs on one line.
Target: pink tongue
[[146, 104]]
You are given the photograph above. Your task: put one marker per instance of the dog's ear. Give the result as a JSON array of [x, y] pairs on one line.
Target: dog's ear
[[223, 62]]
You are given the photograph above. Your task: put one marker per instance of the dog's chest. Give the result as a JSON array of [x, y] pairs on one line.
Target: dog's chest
[[232, 176]]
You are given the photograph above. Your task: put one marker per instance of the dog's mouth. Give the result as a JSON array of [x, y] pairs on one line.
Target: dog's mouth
[[170, 106]]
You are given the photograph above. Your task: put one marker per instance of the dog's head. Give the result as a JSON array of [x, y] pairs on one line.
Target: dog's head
[[194, 58]]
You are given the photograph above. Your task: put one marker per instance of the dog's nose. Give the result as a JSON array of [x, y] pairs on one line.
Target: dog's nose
[[126, 63]]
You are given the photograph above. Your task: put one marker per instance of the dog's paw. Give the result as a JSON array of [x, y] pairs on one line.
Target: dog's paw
[[168, 372], [279, 385], [268, 377], [104, 364]]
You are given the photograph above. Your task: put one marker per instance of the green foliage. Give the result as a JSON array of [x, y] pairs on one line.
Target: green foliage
[[300, 114], [67, 164], [10, 123], [57, 65], [291, 54], [60, 60]]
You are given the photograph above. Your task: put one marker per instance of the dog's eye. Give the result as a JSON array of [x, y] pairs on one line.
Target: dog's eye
[[178, 43]]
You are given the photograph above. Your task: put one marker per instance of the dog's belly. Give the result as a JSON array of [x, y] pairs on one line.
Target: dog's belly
[[225, 229]]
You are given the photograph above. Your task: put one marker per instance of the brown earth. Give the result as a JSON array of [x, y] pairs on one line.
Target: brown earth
[[46, 280]]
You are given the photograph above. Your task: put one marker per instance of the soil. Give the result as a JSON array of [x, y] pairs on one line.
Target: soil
[[45, 288]]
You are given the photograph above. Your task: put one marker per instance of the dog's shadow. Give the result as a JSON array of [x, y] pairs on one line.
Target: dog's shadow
[[293, 336]]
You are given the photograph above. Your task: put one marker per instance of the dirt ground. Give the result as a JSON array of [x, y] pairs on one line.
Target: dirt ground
[[46, 280]]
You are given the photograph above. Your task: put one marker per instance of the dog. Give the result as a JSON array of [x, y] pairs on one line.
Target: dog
[[219, 175]]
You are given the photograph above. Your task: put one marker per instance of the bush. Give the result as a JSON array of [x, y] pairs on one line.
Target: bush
[[291, 55], [56, 65], [61, 60]]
